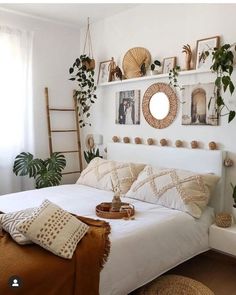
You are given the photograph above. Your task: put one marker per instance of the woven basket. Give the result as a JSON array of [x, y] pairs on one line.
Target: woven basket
[[103, 211], [223, 219]]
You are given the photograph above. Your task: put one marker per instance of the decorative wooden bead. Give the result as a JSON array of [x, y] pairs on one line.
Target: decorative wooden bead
[[115, 138], [150, 141], [228, 162], [163, 142], [178, 143], [212, 145], [126, 140], [138, 140], [194, 144]]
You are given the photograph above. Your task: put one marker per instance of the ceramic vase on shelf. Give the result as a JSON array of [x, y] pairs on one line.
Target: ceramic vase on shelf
[[234, 214]]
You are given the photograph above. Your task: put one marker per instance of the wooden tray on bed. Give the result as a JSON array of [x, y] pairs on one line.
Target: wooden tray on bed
[[103, 210]]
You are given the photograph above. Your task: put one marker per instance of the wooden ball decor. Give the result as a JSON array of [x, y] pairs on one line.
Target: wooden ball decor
[[212, 145], [126, 140], [138, 140], [163, 142], [115, 138], [194, 144], [228, 162], [150, 141], [178, 143]]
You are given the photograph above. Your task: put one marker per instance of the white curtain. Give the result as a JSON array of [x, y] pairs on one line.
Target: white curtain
[[16, 112]]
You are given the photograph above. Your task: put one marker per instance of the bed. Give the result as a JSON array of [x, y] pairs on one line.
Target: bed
[[159, 238]]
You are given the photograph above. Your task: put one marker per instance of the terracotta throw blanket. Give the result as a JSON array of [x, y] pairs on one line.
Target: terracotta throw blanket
[[43, 273]]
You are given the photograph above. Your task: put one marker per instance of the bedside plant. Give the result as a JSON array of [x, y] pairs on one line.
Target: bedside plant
[[46, 172], [223, 60], [234, 197]]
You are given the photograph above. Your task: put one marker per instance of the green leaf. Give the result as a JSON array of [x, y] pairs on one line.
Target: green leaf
[[71, 70], [219, 101], [25, 164], [231, 116], [231, 87]]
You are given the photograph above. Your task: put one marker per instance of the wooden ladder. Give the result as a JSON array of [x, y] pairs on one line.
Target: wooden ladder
[[76, 130]]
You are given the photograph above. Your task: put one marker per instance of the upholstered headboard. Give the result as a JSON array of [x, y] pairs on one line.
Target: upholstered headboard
[[196, 160]]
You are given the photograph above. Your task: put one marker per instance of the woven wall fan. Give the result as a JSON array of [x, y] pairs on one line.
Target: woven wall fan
[[135, 62]]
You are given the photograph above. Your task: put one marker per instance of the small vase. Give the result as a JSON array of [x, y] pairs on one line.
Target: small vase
[[234, 214]]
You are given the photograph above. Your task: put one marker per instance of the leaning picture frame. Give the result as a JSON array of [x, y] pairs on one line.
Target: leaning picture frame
[[168, 64], [104, 73], [204, 49]]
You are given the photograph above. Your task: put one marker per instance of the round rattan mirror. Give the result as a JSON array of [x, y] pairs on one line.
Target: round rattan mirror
[[159, 105]]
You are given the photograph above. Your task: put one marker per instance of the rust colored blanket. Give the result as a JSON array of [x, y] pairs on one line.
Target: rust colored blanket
[[43, 273]]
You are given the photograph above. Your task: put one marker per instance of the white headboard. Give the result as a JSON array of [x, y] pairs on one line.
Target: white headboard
[[196, 160]]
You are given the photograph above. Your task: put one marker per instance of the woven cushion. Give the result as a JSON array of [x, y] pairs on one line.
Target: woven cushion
[[54, 229], [9, 222], [104, 174], [177, 189]]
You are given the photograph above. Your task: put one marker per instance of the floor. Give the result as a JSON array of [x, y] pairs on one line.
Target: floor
[[215, 270]]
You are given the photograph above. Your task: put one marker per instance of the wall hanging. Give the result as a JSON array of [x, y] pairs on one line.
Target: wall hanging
[[159, 105], [128, 107]]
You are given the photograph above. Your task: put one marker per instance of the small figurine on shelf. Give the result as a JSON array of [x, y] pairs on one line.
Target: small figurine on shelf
[[188, 57], [116, 201]]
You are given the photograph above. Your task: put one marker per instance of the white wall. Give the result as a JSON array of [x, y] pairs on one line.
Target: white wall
[[55, 48], [163, 29]]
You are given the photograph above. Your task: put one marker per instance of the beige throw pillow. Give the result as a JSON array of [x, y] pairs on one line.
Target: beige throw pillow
[[9, 221], [178, 189], [104, 174], [54, 229]]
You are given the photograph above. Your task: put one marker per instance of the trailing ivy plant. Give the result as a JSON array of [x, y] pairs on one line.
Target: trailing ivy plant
[[83, 73], [223, 60], [46, 172], [173, 77]]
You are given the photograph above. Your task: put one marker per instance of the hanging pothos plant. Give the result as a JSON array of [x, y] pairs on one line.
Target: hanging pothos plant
[[82, 71], [223, 60]]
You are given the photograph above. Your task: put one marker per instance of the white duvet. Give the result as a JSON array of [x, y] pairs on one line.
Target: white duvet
[[157, 240]]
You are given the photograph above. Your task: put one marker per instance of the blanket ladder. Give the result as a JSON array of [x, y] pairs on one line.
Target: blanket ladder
[[76, 130]]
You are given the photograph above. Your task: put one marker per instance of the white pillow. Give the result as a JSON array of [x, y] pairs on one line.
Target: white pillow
[[9, 221], [104, 174], [177, 189]]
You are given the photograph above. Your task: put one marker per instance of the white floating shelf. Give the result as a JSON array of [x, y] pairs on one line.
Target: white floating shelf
[[153, 77]]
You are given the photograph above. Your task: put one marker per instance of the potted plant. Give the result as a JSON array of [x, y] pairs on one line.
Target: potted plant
[[234, 198], [154, 67], [82, 71], [91, 154], [46, 172], [223, 61]]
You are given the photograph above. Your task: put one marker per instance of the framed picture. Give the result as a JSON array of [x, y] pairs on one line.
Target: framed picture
[[128, 107], [199, 105], [168, 64], [204, 50], [104, 71]]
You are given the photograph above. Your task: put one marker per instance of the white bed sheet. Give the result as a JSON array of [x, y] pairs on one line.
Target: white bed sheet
[[157, 240]]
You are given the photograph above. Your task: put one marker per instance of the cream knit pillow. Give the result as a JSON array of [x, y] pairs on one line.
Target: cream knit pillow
[[104, 174], [54, 229], [178, 189], [9, 221]]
